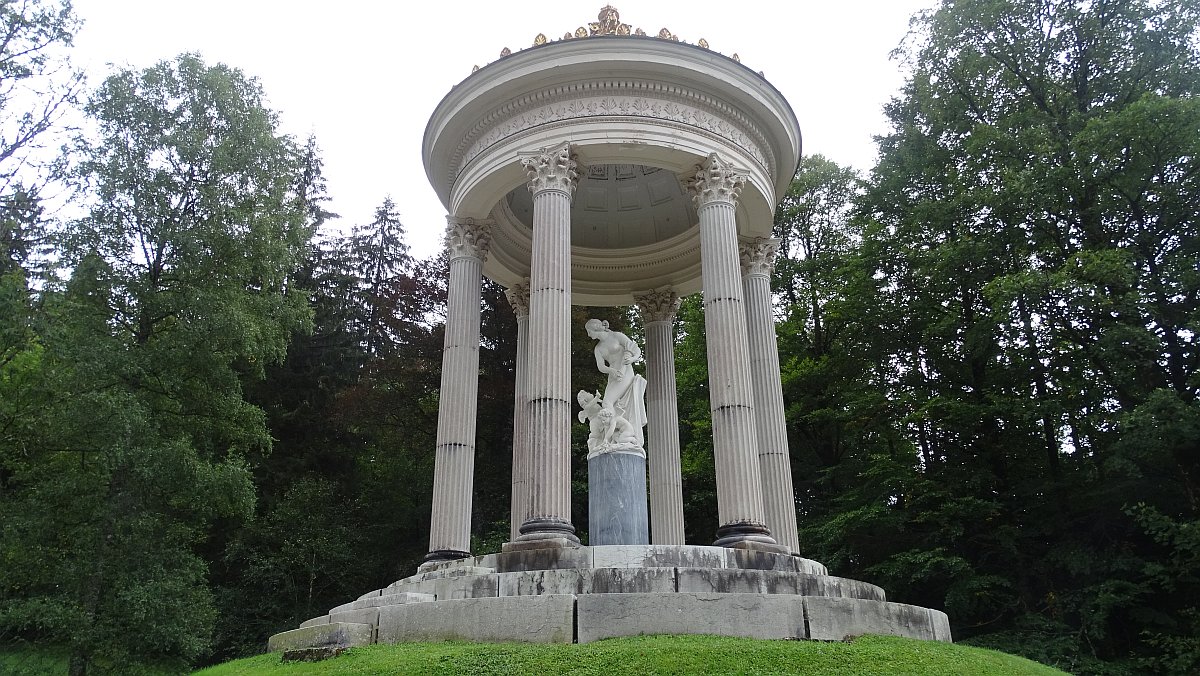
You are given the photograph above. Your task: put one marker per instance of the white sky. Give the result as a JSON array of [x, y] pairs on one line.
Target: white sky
[[364, 77]]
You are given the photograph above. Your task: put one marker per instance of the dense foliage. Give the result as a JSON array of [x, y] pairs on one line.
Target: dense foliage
[[993, 387], [217, 409]]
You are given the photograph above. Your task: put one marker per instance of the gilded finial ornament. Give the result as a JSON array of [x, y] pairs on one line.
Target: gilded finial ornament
[[608, 22]]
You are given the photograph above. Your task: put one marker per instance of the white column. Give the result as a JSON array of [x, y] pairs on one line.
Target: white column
[[467, 241], [658, 308], [552, 180], [716, 188], [774, 461], [518, 298]]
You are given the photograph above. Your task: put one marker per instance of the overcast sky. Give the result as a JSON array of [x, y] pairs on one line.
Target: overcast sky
[[364, 77]]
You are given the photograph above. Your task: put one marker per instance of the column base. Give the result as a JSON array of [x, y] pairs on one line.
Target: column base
[[548, 530], [545, 543], [748, 535], [439, 556], [755, 546]]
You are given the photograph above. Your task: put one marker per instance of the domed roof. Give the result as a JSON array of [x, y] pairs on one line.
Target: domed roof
[[641, 112]]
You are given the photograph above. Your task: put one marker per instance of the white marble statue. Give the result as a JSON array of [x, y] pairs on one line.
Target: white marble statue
[[616, 418], [609, 432]]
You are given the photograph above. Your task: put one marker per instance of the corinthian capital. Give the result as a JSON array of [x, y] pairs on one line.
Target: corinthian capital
[[716, 181], [518, 298], [658, 305], [758, 256], [552, 169], [468, 237]]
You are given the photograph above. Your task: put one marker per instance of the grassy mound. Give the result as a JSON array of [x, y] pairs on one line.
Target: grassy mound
[[653, 655]]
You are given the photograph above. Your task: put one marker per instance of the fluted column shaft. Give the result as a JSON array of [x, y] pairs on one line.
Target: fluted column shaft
[[775, 465], [735, 435], [658, 309], [518, 298], [552, 181], [454, 464]]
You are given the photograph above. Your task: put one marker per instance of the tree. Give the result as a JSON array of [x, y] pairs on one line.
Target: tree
[[36, 86], [178, 293], [1034, 225], [385, 267]]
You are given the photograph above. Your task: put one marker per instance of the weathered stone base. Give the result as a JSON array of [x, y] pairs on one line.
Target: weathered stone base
[[332, 634], [531, 619], [582, 594], [539, 544]]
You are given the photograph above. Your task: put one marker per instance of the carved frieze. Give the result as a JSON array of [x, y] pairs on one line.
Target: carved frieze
[[622, 99], [552, 169], [716, 181], [658, 305], [468, 237], [758, 256]]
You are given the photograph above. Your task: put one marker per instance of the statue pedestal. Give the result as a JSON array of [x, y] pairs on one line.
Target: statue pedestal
[[617, 500]]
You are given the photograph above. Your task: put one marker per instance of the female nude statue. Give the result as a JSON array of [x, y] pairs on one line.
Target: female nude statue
[[625, 392]]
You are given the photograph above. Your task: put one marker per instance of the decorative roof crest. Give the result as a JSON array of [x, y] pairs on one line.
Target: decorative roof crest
[[608, 22]]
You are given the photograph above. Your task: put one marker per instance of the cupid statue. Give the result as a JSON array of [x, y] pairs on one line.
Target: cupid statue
[[616, 418]]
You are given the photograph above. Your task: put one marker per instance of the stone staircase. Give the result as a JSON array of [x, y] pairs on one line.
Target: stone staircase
[[586, 594]]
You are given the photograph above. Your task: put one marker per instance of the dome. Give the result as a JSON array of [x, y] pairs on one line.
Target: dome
[[640, 113]]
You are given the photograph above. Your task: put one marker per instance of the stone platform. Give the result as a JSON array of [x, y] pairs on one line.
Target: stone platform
[[586, 594]]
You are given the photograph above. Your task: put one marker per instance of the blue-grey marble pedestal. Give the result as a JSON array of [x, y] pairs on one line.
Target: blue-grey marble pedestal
[[617, 500]]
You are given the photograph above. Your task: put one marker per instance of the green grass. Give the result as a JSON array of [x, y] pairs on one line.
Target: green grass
[[653, 655]]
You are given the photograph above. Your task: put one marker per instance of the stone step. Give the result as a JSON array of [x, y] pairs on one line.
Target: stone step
[[586, 581], [746, 581], [330, 634], [619, 580], [600, 616], [448, 587], [589, 593], [371, 600], [383, 600], [628, 556], [591, 617], [448, 571]]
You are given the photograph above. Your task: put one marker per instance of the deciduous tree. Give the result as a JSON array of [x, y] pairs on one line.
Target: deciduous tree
[[178, 292]]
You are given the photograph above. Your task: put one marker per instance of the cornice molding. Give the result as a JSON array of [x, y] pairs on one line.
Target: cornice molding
[[627, 99]]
